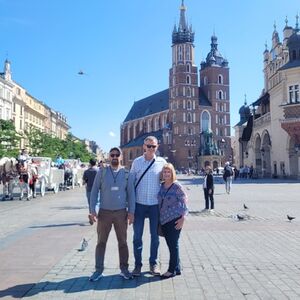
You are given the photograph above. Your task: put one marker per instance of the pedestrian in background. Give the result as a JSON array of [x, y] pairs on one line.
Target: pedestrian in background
[[208, 189], [172, 211], [117, 202], [88, 179], [146, 173], [227, 176]]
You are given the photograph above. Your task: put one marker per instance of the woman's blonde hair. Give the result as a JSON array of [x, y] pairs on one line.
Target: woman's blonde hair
[[170, 167]]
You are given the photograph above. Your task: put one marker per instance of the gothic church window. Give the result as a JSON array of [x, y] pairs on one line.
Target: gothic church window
[[187, 52], [180, 53], [174, 118], [188, 68], [205, 121], [220, 79], [189, 118], [188, 79], [188, 92], [205, 81], [189, 105], [220, 95]]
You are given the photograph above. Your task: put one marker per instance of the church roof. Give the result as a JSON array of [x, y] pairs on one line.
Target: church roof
[[139, 141], [156, 103], [150, 105]]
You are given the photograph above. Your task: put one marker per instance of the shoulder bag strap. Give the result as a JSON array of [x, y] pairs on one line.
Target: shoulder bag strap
[[136, 185]]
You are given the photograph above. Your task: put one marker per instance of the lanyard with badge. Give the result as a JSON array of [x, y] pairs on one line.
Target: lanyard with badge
[[114, 187]]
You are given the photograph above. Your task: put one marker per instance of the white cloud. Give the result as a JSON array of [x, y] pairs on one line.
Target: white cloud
[[112, 134]]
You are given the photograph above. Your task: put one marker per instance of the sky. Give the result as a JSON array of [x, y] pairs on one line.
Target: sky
[[124, 49]]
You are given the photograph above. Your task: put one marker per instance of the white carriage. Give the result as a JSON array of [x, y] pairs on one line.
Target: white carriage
[[49, 177], [74, 165]]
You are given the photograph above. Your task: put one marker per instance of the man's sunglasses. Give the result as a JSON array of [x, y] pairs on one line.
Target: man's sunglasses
[[151, 146], [115, 155]]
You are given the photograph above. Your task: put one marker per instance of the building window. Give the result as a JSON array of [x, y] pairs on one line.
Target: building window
[[188, 52], [220, 95], [205, 81], [188, 92], [205, 121], [188, 79], [220, 79], [180, 53], [294, 93], [189, 105], [174, 118], [188, 68], [174, 80], [189, 118]]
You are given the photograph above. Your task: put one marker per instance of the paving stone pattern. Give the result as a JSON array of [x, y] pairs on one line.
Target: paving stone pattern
[[222, 257]]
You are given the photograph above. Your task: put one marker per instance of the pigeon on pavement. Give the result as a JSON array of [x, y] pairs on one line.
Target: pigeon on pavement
[[240, 218], [290, 218]]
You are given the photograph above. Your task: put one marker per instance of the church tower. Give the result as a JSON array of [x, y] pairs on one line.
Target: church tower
[[183, 96], [214, 81]]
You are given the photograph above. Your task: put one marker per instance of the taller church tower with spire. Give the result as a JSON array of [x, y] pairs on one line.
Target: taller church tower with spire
[[191, 117]]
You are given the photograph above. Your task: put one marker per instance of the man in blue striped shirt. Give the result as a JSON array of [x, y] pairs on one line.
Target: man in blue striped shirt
[[147, 188]]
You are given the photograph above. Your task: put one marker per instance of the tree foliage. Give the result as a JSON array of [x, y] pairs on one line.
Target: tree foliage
[[43, 144], [9, 139], [40, 143]]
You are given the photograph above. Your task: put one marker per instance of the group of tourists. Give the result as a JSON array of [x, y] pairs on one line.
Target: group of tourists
[[149, 190]]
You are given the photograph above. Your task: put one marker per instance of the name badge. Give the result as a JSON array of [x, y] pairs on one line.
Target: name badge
[[114, 188]]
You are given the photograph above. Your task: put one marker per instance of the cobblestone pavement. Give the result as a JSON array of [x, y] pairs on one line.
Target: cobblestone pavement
[[222, 257]]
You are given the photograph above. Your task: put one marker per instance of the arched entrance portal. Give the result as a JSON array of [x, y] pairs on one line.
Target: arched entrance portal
[[258, 164], [265, 155]]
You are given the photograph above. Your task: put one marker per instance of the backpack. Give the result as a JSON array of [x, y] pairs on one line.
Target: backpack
[[228, 172]]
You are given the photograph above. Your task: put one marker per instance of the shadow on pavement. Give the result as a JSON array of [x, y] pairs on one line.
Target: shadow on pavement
[[70, 207], [59, 225], [77, 285]]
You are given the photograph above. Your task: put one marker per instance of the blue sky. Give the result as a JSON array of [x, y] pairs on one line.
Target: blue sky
[[125, 49]]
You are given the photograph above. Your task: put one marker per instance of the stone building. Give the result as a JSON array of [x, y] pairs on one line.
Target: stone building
[[26, 111], [270, 137], [191, 118]]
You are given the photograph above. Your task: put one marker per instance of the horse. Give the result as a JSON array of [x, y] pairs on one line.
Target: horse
[[8, 176], [28, 175]]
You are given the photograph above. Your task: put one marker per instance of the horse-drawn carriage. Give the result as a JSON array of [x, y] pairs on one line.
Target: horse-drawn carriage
[[49, 177], [73, 173], [36, 174]]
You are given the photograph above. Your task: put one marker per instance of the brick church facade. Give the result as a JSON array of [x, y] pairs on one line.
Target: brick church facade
[[191, 119]]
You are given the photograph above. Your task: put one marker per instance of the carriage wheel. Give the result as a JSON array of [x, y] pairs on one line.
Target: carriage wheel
[[43, 187]]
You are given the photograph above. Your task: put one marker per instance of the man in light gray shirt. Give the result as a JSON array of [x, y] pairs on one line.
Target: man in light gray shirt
[[117, 205]]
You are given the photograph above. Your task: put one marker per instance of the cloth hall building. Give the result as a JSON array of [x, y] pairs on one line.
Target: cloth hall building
[[190, 118]]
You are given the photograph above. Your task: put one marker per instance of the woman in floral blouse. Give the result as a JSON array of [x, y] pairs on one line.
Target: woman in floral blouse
[[172, 203]]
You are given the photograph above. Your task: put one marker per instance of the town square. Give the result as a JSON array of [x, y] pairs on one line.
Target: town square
[[149, 150]]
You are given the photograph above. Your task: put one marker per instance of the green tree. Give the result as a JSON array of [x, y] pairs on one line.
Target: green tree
[[9, 139], [43, 144]]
